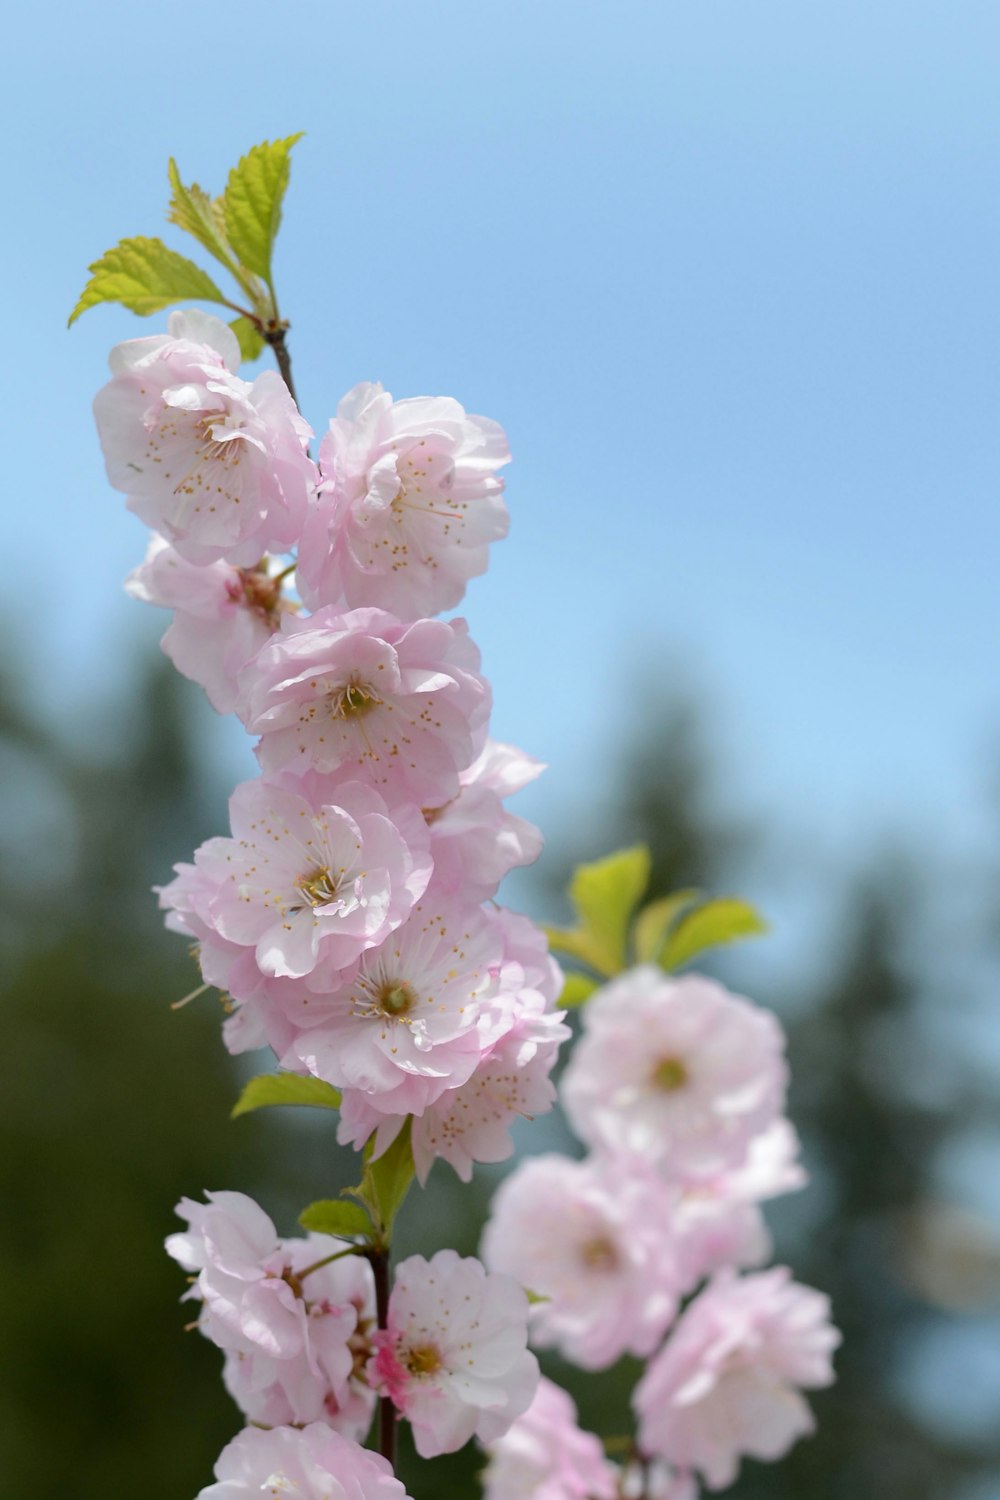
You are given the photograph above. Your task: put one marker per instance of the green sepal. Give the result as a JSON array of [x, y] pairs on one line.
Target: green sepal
[[604, 895], [249, 338], [656, 920], [251, 204], [386, 1182], [144, 275], [285, 1088], [725, 920], [577, 989], [334, 1216]]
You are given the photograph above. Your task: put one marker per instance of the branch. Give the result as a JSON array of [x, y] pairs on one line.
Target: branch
[[379, 1259], [276, 338]]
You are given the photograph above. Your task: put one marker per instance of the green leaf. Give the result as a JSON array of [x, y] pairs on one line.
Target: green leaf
[[390, 1178], [251, 204], [574, 942], [285, 1088], [604, 895], [577, 989], [654, 922], [192, 210], [144, 275], [251, 341], [723, 921], [334, 1216], [386, 1182]]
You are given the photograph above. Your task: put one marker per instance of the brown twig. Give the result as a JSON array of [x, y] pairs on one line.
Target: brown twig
[[276, 338], [379, 1259]]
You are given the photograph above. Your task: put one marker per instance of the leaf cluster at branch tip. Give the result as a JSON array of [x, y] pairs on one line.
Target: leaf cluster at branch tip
[[238, 229]]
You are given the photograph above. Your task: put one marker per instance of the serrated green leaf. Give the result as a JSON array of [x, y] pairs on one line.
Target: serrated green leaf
[[391, 1177], [252, 202], [285, 1088], [654, 922], [334, 1216], [716, 922], [193, 210], [577, 989], [198, 214], [386, 1182], [250, 339], [144, 275], [604, 895]]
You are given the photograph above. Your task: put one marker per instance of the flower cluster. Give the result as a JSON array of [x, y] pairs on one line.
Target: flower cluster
[[348, 914], [294, 1317], [677, 1086], [344, 915]]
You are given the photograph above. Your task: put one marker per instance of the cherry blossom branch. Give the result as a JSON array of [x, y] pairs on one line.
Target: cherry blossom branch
[[276, 338], [379, 1261]]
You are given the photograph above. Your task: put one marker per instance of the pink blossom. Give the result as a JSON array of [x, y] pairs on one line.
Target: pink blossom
[[717, 1221], [771, 1166], [318, 870], [261, 1011], [311, 1463], [678, 1071], [526, 945], [471, 1123], [545, 1456], [254, 1016], [222, 616], [215, 464], [417, 1015], [727, 1381], [714, 1229], [653, 1480], [293, 1331], [475, 840], [512, 1081], [454, 1357], [408, 504], [593, 1240], [400, 704]]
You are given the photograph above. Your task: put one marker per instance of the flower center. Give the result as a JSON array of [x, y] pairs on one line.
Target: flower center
[[423, 1359], [396, 998], [319, 888], [211, 448], [352, 701], [260, 592], [599, 1254], [670, 1074]]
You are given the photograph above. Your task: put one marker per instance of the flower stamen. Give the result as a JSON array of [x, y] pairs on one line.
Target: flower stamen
[[670, 1074], [320, 887]]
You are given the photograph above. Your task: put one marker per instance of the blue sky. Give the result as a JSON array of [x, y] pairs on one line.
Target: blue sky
[[727, 273]]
